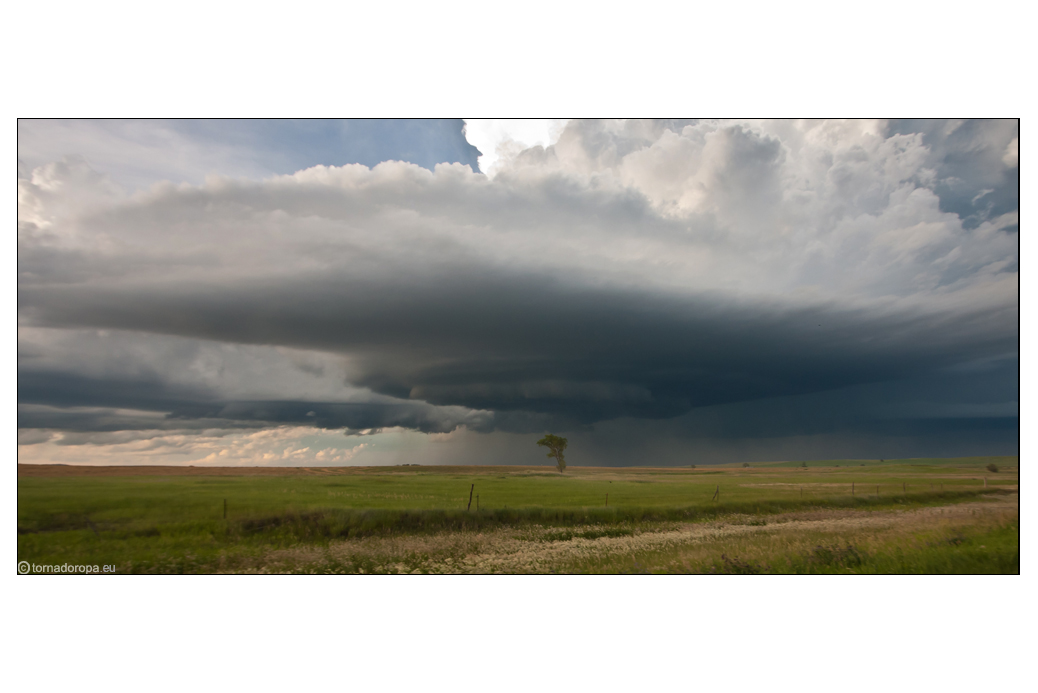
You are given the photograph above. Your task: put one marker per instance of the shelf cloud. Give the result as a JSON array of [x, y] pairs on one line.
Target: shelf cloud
[[676, 279]]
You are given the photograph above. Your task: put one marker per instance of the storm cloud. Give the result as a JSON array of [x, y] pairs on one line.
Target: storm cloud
[[728, 280]]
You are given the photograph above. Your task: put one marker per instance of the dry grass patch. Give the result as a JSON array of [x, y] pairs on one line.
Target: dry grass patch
[[837, 540]]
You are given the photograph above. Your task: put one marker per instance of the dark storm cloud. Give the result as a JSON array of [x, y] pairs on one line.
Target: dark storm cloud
[[926, 400], [970, 409], [103, 381], [534, 343], [73, 390], [94, 419], [77, 404], [639, 443], [352, 416], [637, 271]]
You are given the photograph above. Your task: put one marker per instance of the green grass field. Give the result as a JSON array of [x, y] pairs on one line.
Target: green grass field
[[170, 520]]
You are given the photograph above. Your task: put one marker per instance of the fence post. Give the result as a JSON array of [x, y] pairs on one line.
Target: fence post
[[225, 508], [607, 500], [470, 497]]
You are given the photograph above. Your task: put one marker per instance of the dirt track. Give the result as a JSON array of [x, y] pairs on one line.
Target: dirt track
[[525, 550]]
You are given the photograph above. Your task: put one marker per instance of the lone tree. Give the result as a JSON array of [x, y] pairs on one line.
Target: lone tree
[[555, 445]]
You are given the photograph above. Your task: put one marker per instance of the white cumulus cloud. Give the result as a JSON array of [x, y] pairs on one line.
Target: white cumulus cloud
[[501, 139]]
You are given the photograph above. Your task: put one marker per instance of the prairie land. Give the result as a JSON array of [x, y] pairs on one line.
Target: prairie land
[[833, 516]]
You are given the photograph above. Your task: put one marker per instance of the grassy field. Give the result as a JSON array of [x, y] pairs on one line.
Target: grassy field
[[931, 516]]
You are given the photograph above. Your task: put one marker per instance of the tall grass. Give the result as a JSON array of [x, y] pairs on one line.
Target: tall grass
[[337, 523]]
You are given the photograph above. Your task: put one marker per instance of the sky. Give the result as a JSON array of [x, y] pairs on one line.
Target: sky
[[379, 292]]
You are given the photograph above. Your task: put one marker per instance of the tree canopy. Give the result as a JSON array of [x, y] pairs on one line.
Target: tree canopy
[[555, 445]]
